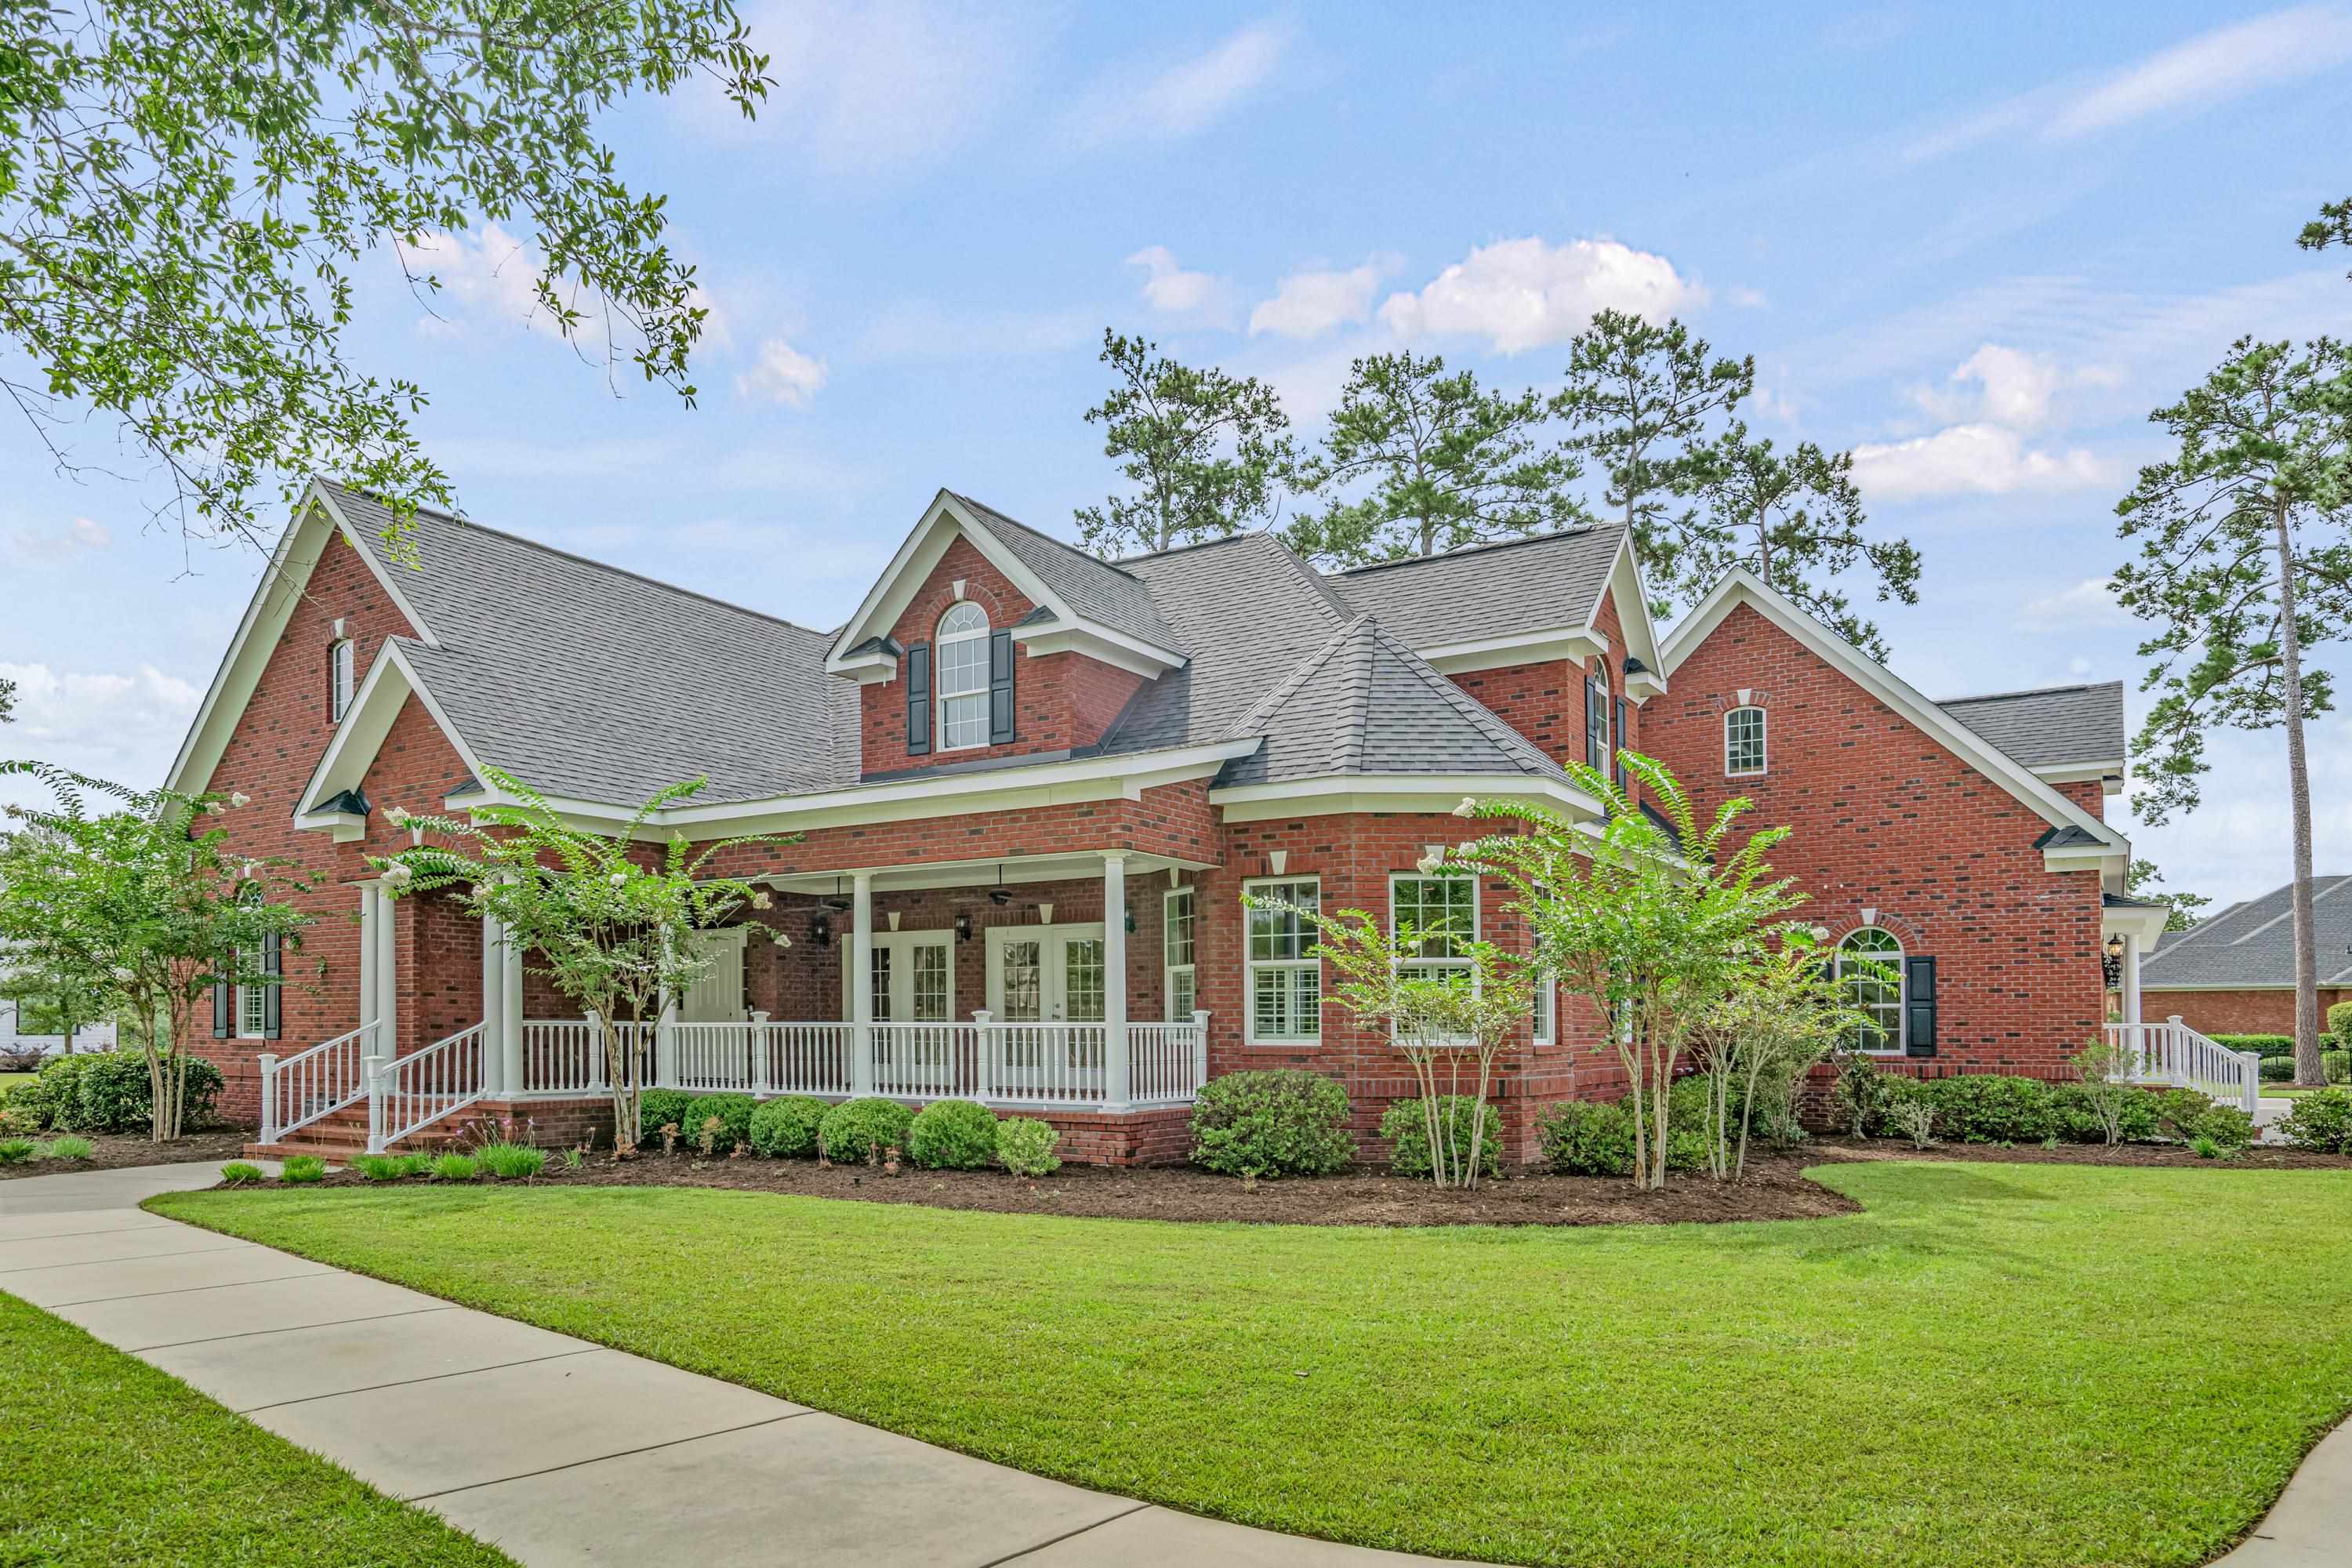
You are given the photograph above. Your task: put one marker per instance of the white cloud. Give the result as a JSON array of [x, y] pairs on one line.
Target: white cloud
[[2004, 386], [782, 374], [1309, 305], [1747, 299], [1973, 460], [2089, 603], [1171, 290], [493, 272], [123, 727], [1178, 99], [880, 88], [2209, 69], [81, 534], [1523, 293]]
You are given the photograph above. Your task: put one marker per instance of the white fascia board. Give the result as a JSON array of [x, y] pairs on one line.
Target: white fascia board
[[2107, 776], [2110, 863], [1079, 780], [874, 668], [391, 588], [390, 681], [916, 557], [1741, 587], [2148, 924], [1119, 651], [1639, 688], [347, 826], [1342, 794], [1573, 643], [1641, 634]]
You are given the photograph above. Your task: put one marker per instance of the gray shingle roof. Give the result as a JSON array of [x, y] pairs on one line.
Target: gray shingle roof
[[2253, 943], [1492, 590], [589, 681], [2057, 726], [1366, 703], [1105, 595]]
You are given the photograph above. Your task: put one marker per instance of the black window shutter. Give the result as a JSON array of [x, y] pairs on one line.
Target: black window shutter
[[919, 699], [999, 688], [222, 1000], [1919, 1002], [273, 962], [1591, 735], [1618, 736]]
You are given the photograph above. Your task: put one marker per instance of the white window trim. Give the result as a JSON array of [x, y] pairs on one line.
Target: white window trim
[[1763, 742], [1477, 917], [1599, 743], [884, 941], [1544, 1028], [1168, 972], [342, 682], [1251, 966], [1899, 1040], [940, 695]]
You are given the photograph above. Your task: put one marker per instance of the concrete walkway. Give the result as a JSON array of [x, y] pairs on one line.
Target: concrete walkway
[[556, 1450], [2310, 1526]]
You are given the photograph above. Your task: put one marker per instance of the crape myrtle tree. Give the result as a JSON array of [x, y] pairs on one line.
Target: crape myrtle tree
[[1434, 462], [1651, 922], [188, 195], [2244, 566], [145, 900], [1786, 1009], [1454, 1025], [607, 918], [1207, 453]]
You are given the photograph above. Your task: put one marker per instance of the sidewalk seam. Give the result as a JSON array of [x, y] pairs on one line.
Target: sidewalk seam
[[143, 1258], [600, 1458], [293, 1328], [411, 1382], [182, 1291], [1065, 1535]]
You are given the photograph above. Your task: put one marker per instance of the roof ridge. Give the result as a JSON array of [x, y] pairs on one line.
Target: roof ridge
[[558, 550], [1481, 548], [1006, 517], [2027, 691], [1268, 706]]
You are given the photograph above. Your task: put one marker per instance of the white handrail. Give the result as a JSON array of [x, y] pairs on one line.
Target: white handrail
[[415, 1090], [298, 1089], [2173, 1053]]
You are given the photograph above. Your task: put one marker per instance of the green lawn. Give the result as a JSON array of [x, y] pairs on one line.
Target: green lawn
[[105, 1461], [1993, 1366]]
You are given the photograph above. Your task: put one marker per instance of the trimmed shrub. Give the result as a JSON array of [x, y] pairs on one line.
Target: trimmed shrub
[[2070, 1108], [2337, 1066], [241, 1173], [2260, 1045], [380, 1167], [68, 1147], [1026, 1146], [301, 1170], [857, 1131], [511, 1162], [16, 1151], [1595, 1138], [2189, 1115], [1405, 1125], [454, 1168], [952, 1135], [1283, 1122], [2277, 1069], [16, 1121], [110, 1094], [1991, 1108], [734, 1113], [2321, 1121], [786, 1129], [48, 1099], [660, 1107], [2339, 1020]]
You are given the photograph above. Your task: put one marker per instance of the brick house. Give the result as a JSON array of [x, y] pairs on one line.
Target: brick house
[[1025, 793], [2233, 972]]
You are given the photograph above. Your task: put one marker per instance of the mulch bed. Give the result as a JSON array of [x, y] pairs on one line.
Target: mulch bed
[[116, 1150], [1774, 1190], [2259, 1157]]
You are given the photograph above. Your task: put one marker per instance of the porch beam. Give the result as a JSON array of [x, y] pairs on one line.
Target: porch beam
[[494, 1005], [1117, 1077]]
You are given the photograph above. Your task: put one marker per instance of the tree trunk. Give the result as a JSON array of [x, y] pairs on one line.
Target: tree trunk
[[2308, 1070]]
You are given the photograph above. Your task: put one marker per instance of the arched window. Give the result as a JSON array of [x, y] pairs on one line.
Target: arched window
[[341, 663], [1877, 989], [1743, 742], [963, 661]]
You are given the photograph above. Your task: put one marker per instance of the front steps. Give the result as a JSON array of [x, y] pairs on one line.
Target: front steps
[[339, 1134]]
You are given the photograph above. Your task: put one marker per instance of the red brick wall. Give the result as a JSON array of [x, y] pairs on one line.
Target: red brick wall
[[2245, 1012], [1544, 701], [1887, 819], [1060, 700]]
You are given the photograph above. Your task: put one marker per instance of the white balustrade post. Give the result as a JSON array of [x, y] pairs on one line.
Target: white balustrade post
[[494, 1005], [861, 982], [2131, 978], [368, 918], [268, 1097], [986, 1051], [372, 1073], [510, 1028], [595, 1054], [759, 1051], [387, 973], [1118, 1053], [1200, 1048], [2174, 1055]]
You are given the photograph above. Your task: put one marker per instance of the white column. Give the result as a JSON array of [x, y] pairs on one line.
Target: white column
[[2131, 978], [666, 1035], [368, 918], [861, 982], [511, 994], [493, 1006], [1117, 1076], [387, 975]]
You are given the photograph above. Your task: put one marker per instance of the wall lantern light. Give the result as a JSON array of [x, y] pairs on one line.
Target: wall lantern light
[[821, 930], [963, 927]]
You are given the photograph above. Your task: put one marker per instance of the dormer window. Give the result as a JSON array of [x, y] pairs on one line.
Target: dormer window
[[963, 676], [341, 661]]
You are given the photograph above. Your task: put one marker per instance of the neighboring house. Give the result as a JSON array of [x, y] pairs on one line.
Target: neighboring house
[[2234, 973], [13, 1041], [1027, 792]]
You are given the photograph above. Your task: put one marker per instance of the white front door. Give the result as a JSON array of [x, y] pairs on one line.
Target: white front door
[[1053, 980], [717, 996]]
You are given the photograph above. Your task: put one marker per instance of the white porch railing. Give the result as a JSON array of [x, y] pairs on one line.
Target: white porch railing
[[411, 1092], [298, 1089], [2174, 1054]]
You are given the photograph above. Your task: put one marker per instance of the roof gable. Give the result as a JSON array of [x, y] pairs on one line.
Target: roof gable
[[2067, 729], [2251, 944], [2089, 836]]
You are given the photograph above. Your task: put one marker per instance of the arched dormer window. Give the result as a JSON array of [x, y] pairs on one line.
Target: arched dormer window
[[1743, 742], [1870, 965], [962, 658], [342, 664]]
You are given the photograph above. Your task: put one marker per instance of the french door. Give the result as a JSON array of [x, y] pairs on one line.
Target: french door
[[1048, 983], [914, 1005]]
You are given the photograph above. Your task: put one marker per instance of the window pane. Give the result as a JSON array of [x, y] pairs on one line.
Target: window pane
[[1177, 932], [1282, 933], [966, 617], [1286, 1002], [881, 984], [252, 1010], [1743, 740], [1880, 995], [1023, 994], [931, 999], [1182, 995], [963, 666], [1443, 909], [1541, 1010], [1082, 980]]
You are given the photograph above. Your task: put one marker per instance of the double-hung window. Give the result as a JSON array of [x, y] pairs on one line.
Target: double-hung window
[[1443, 913], [1596, 722], [1176, 954], [1286, 971], [341, 661], [252, 1012], [961, 656], [1743, 742], [1544, 1011]]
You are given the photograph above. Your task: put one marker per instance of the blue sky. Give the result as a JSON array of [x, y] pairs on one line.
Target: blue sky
[[1977, 244]]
